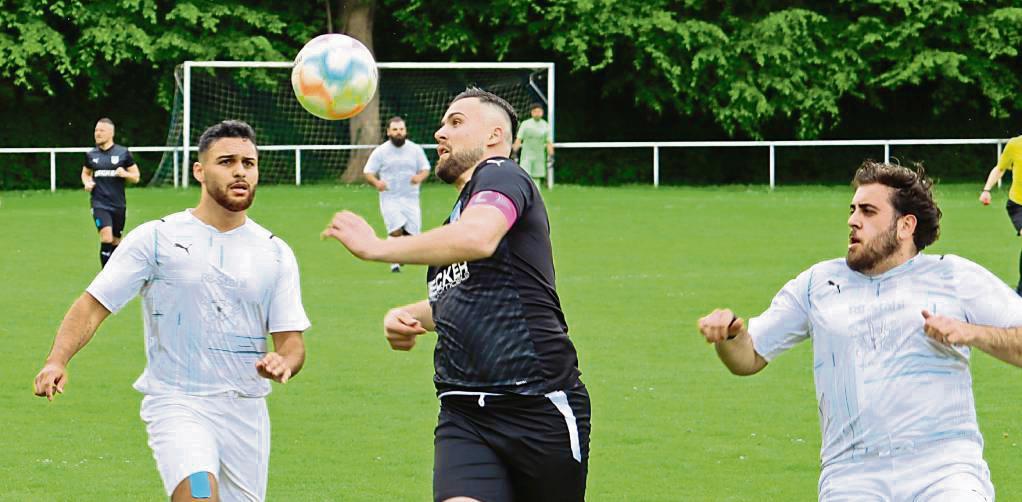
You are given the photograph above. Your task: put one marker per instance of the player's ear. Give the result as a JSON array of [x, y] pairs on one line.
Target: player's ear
[[907, 226], [198, 172], [496, 136]]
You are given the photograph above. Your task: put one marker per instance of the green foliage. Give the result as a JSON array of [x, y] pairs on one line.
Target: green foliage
[[747, 65], [90, 41]]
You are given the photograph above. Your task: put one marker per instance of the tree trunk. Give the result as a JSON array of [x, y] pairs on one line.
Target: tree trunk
[[355, 17]]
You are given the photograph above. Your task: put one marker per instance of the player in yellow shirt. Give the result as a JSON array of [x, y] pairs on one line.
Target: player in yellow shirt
[[1011, 157]]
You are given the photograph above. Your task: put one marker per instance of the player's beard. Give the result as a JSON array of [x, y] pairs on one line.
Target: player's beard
[[221, 194], [457, 162], [398, 141], [871, 253]]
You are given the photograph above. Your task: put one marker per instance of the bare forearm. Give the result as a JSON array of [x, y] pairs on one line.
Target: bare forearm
[[420, 177], [372, 179], [1002, 343], [440, 246], [739, 355], [993, 178], [79, 325], [422, 312], [134, 175], [290, 346]]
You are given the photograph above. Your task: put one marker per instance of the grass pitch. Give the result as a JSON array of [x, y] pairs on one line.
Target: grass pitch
[[636, 267]]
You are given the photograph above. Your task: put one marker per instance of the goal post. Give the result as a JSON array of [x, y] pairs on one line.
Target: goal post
[[298, 147]]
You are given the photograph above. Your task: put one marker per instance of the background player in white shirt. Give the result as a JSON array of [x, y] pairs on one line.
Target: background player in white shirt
[[397, 168], [213, 284], [892, 330]]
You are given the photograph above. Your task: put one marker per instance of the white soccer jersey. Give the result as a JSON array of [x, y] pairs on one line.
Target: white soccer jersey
[[209, 299], [396, 166], [882, 385]]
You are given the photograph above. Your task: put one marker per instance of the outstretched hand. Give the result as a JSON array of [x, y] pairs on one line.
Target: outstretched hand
[[354, 233], [720, 325], [401, 328], [274, 367], [50, 381], [946, 329]]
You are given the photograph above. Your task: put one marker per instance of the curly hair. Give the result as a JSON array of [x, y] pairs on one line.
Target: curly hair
[[912, 194]]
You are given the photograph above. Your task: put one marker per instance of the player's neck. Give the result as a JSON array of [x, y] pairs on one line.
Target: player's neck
[[464, 178], [897, 259], [106, 146], [213, 214]]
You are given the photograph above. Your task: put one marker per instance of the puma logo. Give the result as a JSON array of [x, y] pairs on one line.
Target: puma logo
[[182, 246]]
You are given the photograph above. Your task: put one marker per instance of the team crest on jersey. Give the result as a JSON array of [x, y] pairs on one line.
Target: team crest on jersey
[[114, 159]]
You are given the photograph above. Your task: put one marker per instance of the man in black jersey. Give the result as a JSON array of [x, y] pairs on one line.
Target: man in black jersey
[[514, 417], [107, 167]]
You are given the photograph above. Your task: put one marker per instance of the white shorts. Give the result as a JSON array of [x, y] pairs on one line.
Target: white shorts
[[946, 471], [401, 212], [226, 436]]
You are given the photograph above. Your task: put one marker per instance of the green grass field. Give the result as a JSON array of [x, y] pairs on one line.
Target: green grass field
[[636, 267]]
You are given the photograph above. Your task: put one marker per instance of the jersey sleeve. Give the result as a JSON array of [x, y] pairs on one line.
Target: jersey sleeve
[[508, 179], [985, 298], [786, 322], [375, 162], [130, 267], [286, 312], [422, 160], [86, 161], [549, 137], [1005, 161], [128, 160]]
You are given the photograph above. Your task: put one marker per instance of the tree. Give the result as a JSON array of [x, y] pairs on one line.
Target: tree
[[746, 63], [44, 43], [356, 20]]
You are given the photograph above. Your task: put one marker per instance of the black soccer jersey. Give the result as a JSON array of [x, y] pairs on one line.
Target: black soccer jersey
[[499, 321], [109, 190]]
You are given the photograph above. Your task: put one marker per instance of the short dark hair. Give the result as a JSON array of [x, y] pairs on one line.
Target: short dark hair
[[105, 120], [226, 129], [913, 194], [395, 118], [492, 99], [535, 105]]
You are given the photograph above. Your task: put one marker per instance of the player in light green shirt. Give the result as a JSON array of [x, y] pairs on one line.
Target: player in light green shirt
[[533, 135]]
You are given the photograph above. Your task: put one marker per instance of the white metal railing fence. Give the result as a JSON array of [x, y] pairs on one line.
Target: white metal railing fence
[[773, 145], [180, 177]]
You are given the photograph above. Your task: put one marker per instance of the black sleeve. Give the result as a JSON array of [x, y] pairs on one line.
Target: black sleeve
[[87, 162], [127, 160], [508, 179]]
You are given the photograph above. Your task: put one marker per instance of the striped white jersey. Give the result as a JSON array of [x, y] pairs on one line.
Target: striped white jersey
[[882, 385], [209, 299]]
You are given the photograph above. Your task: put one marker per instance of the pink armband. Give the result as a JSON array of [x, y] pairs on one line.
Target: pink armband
[[497, 200]]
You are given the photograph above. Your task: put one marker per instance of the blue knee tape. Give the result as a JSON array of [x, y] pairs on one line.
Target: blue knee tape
[[200, 485]]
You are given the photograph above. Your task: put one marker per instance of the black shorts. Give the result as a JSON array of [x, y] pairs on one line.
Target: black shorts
[[113, 218], [504, 448], [1015, 213]]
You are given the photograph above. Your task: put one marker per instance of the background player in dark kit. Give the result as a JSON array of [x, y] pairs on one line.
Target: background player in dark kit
[[514, 417], [107, 167]]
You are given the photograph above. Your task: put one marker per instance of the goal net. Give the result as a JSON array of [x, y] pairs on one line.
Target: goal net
[[298, 147]]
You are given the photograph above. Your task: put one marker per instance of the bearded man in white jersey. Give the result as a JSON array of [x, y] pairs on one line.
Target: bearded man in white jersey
[[214, 283], [892, 330]]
